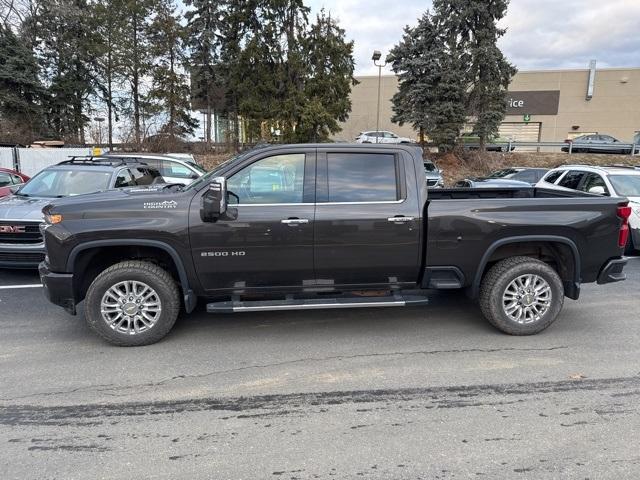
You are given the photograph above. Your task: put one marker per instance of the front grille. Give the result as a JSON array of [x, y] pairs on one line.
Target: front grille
[[432, 183], [30, 235], [21, 257]]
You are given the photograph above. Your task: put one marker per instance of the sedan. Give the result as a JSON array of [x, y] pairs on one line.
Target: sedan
[[10, 181], [381, 137], [598, 144]]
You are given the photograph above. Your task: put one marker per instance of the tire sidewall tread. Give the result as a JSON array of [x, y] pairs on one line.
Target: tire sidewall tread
[[498, 278], [154, 276]]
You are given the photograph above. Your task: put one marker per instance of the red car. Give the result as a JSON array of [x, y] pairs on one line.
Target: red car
[[10, 179]]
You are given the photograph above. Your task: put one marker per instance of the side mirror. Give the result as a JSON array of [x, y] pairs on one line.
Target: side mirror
[[597, 190], [194, 176], [214, 201]]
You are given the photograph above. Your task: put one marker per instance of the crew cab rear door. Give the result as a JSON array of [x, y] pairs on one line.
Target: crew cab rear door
[[266, 238], [368, 221]]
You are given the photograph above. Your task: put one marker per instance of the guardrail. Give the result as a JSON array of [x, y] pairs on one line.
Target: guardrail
[[572, 147]]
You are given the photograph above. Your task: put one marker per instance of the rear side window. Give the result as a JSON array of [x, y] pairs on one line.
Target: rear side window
[[572, 179], [528, 176], [144, 176], [362, 177], [175, 170], [124, 179], [17, 179], [554, 176]]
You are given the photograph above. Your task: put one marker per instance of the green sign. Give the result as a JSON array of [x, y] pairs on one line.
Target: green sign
[[527, 117]]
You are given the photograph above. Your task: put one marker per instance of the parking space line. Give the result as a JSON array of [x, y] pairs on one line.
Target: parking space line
[[10, 287]]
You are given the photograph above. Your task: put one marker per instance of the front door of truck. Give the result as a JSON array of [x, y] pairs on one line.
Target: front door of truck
[[266, 237], [367, 218]]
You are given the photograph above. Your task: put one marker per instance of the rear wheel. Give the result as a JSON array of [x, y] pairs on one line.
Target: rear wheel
[[521, 295], [132, 303]]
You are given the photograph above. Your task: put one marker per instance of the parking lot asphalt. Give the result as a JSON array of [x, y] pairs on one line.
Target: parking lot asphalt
[[428, 393]]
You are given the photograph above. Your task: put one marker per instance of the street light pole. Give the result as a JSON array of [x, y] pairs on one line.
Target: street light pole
[[376, 57]]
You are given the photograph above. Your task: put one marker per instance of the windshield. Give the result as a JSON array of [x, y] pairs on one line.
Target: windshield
[[196, 166], [64, 183], [430, 167], [626, 185], [506, 173]]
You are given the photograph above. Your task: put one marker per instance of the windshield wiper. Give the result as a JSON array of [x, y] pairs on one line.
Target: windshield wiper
[[22, 194]]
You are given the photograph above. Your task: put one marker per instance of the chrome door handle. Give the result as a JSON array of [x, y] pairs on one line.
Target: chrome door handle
[[292, 222], [400, 219]]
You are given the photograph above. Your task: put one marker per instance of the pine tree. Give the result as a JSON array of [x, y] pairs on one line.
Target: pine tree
[[204, 44], [170, 87], [133, 46], [431, 93], [110, 25], [474, 23], [20, 90], [329, 59], [66, 46]]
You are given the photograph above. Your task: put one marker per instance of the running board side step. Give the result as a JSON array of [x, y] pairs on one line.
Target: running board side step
[[317, 304]]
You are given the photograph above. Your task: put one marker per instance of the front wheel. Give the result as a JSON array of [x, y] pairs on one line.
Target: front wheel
[[521, 295], [132, 303]]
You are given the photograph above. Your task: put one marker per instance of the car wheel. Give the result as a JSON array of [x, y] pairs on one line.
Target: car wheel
[[132, 303], [521, 295], [630, 249]]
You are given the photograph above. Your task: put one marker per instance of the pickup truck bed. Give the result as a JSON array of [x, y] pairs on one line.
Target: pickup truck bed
[[325, 226]]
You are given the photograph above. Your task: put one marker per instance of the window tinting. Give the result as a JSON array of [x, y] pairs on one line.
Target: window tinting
[[553, 176], [278, 179], [593, 180], [362, 177], [572, 179]]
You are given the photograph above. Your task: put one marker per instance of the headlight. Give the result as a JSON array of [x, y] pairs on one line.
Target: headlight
[[52, 219]]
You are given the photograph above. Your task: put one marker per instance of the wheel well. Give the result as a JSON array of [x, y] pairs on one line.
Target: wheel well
[[557, 255], [92, 261]]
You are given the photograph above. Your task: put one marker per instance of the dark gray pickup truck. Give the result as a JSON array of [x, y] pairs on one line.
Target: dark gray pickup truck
[[324, 226]]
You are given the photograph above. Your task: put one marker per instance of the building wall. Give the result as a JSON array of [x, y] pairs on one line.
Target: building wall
[[614, 108]]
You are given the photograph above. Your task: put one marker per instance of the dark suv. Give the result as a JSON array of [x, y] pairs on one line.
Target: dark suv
[[21, 243]]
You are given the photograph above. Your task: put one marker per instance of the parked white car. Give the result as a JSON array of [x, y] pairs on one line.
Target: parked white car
[[615, 181], [381, 137], [173, 169]]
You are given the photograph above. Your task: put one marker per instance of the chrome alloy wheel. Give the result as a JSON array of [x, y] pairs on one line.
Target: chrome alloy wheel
[[131, 307], [527, 299]]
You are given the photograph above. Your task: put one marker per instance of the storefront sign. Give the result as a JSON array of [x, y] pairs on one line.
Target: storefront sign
[[543, 102]]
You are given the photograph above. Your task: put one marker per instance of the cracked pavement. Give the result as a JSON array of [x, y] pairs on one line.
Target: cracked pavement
[[429, 392]]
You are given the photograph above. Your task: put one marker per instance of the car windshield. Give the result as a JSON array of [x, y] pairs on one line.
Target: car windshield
[[506, 173], [196, 166], [63, 183], [430, 167], [626, 185]]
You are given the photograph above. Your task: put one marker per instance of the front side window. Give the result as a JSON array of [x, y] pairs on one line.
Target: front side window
[[572, 179], [175, 170], [593, 180], [124, 179], [277, 179], [362, 177]]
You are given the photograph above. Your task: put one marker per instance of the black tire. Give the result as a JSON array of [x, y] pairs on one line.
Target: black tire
[[500, 276], [630, 249], [153, 276]]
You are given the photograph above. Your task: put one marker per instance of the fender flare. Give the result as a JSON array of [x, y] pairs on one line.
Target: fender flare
[[572, 289], [190, 298]]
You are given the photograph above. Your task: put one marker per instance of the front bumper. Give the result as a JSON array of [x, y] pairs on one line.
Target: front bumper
[[613, 271], [21, 256], [58, 288]]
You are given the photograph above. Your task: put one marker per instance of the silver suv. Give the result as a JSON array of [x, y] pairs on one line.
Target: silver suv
[[614, 181], [173, 169]]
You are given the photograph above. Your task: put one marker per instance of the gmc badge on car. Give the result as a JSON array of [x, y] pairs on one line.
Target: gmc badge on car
[[12, 229]]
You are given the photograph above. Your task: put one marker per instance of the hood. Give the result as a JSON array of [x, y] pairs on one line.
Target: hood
[[160, 197], [22, 208]]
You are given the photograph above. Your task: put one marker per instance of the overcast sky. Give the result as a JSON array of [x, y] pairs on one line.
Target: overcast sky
[[540, 33]]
